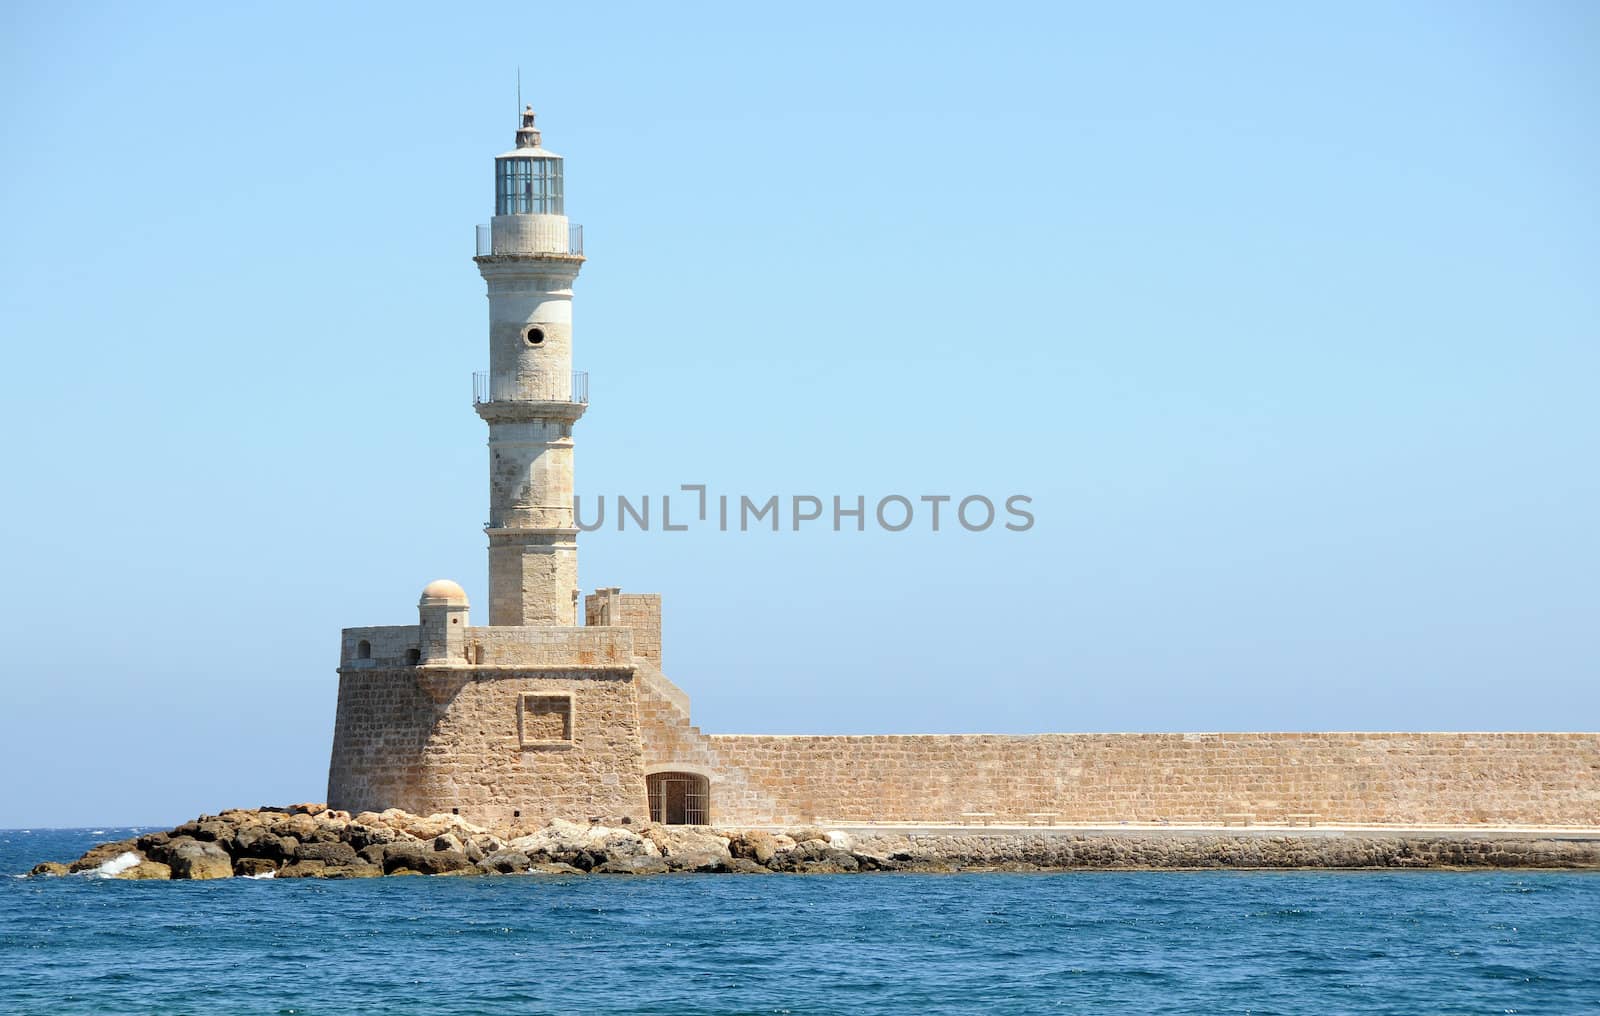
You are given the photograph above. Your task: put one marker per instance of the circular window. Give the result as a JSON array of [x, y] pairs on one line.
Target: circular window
[[535, 336]]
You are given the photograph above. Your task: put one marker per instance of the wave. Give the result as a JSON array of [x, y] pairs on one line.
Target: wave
[[117, 865]]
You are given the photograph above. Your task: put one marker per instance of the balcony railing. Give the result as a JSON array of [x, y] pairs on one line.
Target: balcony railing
[[531, 388], [486, 242]]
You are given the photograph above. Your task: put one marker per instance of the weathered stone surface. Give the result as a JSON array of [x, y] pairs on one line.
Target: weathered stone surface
[[146, 870], [257, 840], [634, 865], [563, 847], [417, 857], [52, 868], [327, 853], [103, 853], [506, 862], [193, 859]]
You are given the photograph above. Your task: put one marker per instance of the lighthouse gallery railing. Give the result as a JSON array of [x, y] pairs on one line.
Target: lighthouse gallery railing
[[531, 388]]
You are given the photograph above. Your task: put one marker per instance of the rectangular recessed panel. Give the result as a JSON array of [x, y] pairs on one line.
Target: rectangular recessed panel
[[545, 719]]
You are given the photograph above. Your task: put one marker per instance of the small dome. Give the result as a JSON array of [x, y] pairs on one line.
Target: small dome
[[444, 589]]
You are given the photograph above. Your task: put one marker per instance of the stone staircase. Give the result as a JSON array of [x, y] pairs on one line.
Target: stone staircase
[[671, 741]]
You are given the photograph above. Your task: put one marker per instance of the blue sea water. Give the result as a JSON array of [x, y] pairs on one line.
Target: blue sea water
[[1103, 942]]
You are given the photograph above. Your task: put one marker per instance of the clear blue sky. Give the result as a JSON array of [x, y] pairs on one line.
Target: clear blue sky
[[1288, 319]]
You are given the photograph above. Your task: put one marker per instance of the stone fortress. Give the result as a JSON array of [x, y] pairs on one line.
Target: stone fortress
[[537, 716]]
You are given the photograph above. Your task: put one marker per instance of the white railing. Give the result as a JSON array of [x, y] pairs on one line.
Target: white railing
[[531, 388], [485, 245]]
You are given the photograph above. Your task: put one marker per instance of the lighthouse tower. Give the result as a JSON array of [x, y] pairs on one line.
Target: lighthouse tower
[[530, 398]]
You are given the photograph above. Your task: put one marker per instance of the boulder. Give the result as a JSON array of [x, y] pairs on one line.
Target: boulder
[[152, 870], [301, 827], [149, 840], [216, 831], [753, 845], [417, 857], [259, 841], [194, 859], [362, 834], [553, 868], [53, 868], [631, 866], [505, 862], [746, 866], [253, 867], [103, 853], [360, 869], [307, 809], [303, 869], [327, 853]]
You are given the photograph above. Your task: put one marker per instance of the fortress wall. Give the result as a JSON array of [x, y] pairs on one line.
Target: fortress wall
[[536, 646], [638, 611], [434, 739], [1382, 779]]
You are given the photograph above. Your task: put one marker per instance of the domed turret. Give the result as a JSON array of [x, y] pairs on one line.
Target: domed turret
[[442, 614]]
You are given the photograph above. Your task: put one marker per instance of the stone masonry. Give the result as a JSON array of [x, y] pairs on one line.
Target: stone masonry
[[535, 717]]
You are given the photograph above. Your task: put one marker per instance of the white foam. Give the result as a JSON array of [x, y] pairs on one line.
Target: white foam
[[264, 874], [119, 864]]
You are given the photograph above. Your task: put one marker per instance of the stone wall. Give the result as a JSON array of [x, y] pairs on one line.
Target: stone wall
[[1356, 778], [639, 611], [436, 739]]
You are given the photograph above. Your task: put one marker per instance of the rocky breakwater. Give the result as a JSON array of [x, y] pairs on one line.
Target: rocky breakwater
[[311, 841]]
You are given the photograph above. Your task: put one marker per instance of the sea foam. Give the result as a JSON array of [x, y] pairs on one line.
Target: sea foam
[[117, 865]]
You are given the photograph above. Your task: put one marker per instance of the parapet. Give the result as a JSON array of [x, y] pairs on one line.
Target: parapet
[[610, 606], [506, 648]]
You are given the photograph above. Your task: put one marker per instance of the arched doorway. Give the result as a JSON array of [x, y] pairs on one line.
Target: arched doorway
[[679, 798]]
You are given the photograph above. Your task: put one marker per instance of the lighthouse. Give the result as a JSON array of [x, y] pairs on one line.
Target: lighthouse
[[529, 256]]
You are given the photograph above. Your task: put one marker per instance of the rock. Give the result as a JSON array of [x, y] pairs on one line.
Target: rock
[[805, 834], [253, 867], [553, 868], [632, 866], [327, 853], [362, 834], [841, 840], [506, 862], [360, 869], [307, 809], [52, 868], [417, 857], [753, 845], [300, 826], [216, 831], [149, 840], [103, 853], [446, 841], [259, 841], [194, 859], [151, 870], [303, 869], [746, 866], [699, 860]]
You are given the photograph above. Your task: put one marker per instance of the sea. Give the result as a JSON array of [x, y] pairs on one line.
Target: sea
[[1368, 942]]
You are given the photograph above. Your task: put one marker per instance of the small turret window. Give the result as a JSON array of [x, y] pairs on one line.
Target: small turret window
[[535, 336], [363, 650], [526, 186]]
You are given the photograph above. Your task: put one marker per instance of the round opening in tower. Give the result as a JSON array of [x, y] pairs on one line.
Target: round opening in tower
[[535, 336]]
